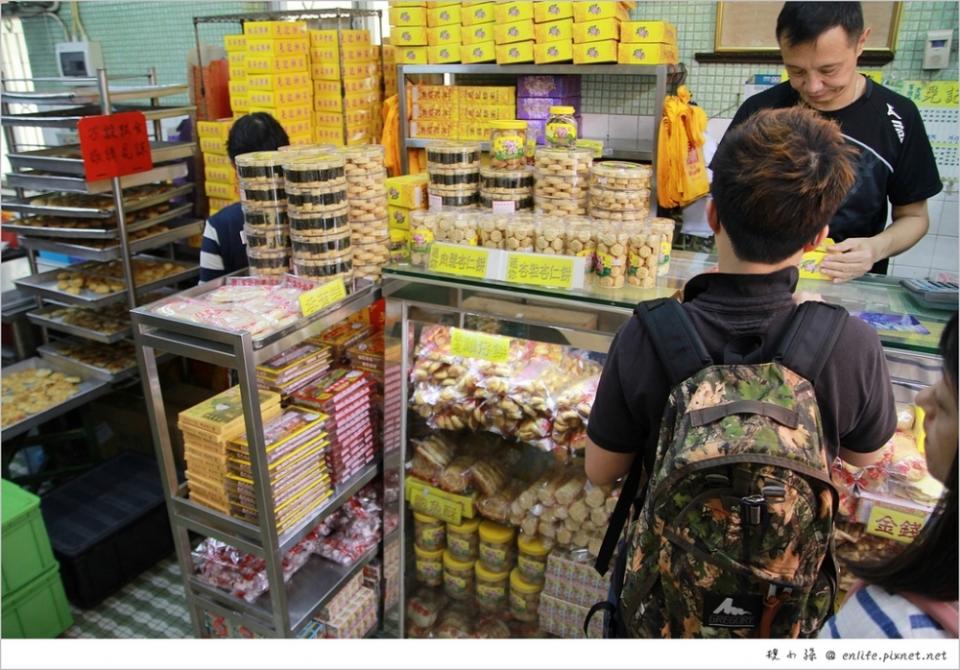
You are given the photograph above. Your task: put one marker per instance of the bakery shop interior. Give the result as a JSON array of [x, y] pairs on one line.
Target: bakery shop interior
[[477, 320]]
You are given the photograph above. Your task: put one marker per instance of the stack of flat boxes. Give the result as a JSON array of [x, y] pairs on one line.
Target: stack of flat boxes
[[648, 43], [236, 46], [408, 32], [220, 177], [513, 32], [596, 31], [477, 32], [570, 590], [277, 65], [404, 195], [553, 32], [346, 87], [536, 94], [389, 70], [351, 614], [459, 112]]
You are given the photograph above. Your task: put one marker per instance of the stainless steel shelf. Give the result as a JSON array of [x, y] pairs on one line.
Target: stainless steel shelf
[[43, 319], [88, 95], [622, 149], [68, 118], [50, 353], [182, 230], [30, 206], [37, 181], [103, 233], [531, 68], [66, 159]]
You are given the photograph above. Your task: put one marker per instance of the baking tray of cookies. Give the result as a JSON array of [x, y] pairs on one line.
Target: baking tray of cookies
[[86, 206], [119, 356], [88, 389], [108, 251], [99, 231], [67, 159], [36, 180]]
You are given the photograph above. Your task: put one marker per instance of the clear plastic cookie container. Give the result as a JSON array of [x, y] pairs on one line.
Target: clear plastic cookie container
[[268, 263], [621, 176], [363, 159], [448, 154], [582, 239], [374, 253], [268, 218], [559, 206], [564, 162], [368, 232], [666, 229], [644, 255], [368, 185], [508, 139], [501, 202], [313, 169], [260, 168], [560, 186], [329, 249], [266, 238], [612, 254], [319, 223], [324, 271], [621, 201], [367, 209], [464, 198], [329, 198], [511, 182], [551, 235], [457, 228], [454, 178], [260, 197]]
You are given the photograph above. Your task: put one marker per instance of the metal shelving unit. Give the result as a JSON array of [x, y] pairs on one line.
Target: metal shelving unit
[[619, 148], [285, 609]]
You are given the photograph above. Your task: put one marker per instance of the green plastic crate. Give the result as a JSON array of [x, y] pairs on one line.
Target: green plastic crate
[[26, 552], [38, 610]]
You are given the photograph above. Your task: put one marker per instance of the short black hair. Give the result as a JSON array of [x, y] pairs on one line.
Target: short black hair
[[255, 132], [801, 22]]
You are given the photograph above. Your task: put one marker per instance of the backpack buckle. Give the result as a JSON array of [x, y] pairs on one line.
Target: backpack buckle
[[753, 508]]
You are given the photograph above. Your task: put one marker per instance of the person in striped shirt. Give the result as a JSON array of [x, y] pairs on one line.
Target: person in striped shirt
[[914, 595], [224, 248]]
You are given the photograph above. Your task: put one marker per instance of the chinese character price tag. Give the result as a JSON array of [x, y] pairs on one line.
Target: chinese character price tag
[[540, 270], [423, 501], [319, 298], [459, 260], [468, 344], [114, 145], [894, 524]]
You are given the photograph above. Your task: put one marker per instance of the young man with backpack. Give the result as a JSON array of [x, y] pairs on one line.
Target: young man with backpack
[[734, 404]]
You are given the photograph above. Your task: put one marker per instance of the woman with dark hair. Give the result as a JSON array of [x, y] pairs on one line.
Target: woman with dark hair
[[914, 594]]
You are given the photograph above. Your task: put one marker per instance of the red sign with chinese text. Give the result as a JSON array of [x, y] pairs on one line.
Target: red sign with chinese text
[[114, 145]]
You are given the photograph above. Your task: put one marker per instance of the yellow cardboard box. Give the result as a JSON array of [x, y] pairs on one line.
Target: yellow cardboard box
[[517, 31], [354, 70], [288, 114], [595, 52], [435, 93], [477, 34], [328, 136], [238, 87], [596, 146], [443, 16], [360, 53], [282, 47], [553, 52], [361, 85], [235, 42], [408, 191], [214, 205], [303, 138], [650, 53], [480, 52], [552, 11], [432, 128], [273, 81], [240, 104], [486, 95], [274, 29], [389, 54], [553, 31], [596, 31], [487, 112], [324, 103], [282, 97], [324, 71], [236, 57], [220, 128], [358, 37], [324, 54], [444, 53], [443, 35], [407, 3], [227, 175], [810, 263], [398, 218], [298, 126], [323, 88], [357, 101], [435, 109], [409, 36], [520, 52], [592, 11], [328, 119], [324, 38], [648, 31], [472, 15], [221, 190], [238, 71], [505, 12], [412, 56], [219, 160], [214, 145], [476, 131], [408, 16], [255, 63]]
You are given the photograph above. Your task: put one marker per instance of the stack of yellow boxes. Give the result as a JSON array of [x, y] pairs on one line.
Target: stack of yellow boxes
[[553, 32], [477, 32], [236, 46], [220, 177], [408, 32], [459, 112], [277, 66], [514, 32], [434, 112], [404, 195], [648, 43], [596, 31], [346, 87], [389, 70]]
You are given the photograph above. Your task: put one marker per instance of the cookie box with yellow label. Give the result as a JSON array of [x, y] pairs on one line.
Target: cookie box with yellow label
[[226, 175], [359, 37], [398, 218], [222, 190], [487, 112], [486, 95], [552, 11], [359, 53], [810, 263], [237, 57], [443, 16], [444, 53], [432, 128], [361, 85], [409, 36], [412, 55], [478, 34], [596, 31], [284, 47], [407, 191], [213, 145], [216, 204], [219, 128], [328, 119], [219, 160], [473, 130], [443, 35], [238, 71], [505, 12], [521, 52], [559, 51], [298, 126], [553, 31], [288, 114], [592, 11], [434, 110], [471, 15], [650, 53], [332, 136], [255, 63], [516, 31], [433, 93], [235, 43], [275, 29], [481, 52], [240, 104], [324, 38], [595, 52], [648, 31], [408, 16], [273, 81], [282, 97]]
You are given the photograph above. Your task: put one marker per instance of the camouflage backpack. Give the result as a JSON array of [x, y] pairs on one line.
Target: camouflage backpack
[[735, 534]]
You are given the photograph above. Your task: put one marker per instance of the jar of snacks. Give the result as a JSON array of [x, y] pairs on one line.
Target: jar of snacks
[[457, 229], [363, 159], [260, 168], [508, 144], [665, 227], [463, 541], [269, 262], [644, 256], [532, 559], [429, 532], [458, 577], [551, 236], [524, 598], [564, 162], [310, 170], [612, 253], [492, 590], [429, 566], [561, 128], [620, 176], [496, 546], [506, 191], [581, 240], [423, 231], [321, 223]]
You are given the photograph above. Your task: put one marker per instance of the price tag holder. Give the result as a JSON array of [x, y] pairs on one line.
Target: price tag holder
[[320, 298], [423, 501], [894, 524], [543, 270], [114, 145], [470, 344], [456, 259]]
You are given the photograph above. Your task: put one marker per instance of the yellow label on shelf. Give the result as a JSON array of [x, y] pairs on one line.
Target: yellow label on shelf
[[540, 270], [460, 260], [319, 298], [421, 500], [471, 344], [894, 524]]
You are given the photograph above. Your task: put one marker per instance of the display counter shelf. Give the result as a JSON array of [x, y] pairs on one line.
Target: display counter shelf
[[68, 118], [40, 181], [33, 206], [89, 95], [66, 159], [178, 230]]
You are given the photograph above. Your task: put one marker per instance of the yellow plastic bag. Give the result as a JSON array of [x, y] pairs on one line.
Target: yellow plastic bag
[[681, 169]]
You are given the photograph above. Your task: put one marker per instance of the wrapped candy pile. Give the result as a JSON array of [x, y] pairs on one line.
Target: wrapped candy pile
[[356, 529]]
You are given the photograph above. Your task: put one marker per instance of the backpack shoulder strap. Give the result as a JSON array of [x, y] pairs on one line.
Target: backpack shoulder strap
[[810, 337], [676, 341]]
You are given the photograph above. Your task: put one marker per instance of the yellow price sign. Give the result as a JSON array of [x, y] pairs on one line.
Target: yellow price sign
[[894, 524], [459, 260], [422, 501], [319, 298], [468, 344], [540, 270]]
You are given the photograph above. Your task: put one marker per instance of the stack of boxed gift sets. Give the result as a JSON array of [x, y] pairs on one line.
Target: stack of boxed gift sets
[[220, 177]]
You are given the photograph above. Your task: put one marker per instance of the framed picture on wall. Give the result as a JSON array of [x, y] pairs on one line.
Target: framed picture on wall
[[751, 26]]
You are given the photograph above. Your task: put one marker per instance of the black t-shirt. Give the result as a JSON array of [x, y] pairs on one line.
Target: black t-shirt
[[895, 158], [853, 391]]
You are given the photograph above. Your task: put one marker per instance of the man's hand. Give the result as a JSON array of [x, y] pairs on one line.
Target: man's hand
[[850, 259]]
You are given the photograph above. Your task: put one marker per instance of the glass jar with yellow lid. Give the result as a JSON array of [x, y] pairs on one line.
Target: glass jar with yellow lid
[[508, 139], [496, 546], [532, 559], [524, 598], [463, 541], [429, 532], [491, 588], [429, 566], [458, 577], [561, 127]]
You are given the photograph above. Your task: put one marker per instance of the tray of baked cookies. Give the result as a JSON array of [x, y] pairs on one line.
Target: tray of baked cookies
[[106, 362], [35, 391]]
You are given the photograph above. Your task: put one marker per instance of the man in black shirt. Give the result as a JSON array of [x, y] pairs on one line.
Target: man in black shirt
[[764, 218], [820, 43]]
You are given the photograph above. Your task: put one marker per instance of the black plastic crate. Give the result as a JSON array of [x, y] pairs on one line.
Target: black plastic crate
[[107, 526]]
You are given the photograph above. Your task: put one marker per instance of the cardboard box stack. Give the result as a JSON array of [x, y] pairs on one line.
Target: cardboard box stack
[[236, 47], [596, 31], [477, 32], [408, 32], [346, 80], [648, 43], [405, 194], [514, 32], [536, 94], [220, 177], [389, 55], [351, 614], [553, 32], [459, 112], [570, 590]]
